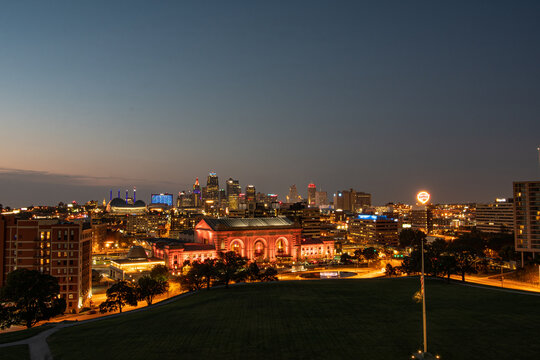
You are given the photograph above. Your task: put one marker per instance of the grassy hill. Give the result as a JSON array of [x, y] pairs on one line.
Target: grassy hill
[[325, 319]]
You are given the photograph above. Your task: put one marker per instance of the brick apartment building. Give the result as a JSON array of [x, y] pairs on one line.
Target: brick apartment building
[[52, 247]]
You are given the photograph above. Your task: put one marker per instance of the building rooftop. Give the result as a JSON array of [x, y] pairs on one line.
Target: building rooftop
[[188, 246], [249, 223]]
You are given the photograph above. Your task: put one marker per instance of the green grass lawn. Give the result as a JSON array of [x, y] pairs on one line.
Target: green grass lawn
[[22, 334], [322, 319], [18, 352]]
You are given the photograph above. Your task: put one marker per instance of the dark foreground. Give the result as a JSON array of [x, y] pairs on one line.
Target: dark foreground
[[326, 319]]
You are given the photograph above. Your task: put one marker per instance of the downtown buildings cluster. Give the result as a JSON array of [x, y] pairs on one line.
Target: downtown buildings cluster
[[125, 237]]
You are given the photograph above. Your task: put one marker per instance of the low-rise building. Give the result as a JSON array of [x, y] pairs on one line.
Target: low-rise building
[[134, 265]]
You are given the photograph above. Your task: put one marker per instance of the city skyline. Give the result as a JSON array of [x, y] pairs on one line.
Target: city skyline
[[74, 185], [383, 99]]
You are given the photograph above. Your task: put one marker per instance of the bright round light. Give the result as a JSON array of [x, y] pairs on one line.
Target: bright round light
[[423, 197]]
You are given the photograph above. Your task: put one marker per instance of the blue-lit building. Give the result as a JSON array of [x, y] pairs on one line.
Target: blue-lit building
[[374, 230], [166, 199]]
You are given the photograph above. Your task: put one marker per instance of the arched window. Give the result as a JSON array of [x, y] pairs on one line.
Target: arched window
[[281, 247], [237, 248]]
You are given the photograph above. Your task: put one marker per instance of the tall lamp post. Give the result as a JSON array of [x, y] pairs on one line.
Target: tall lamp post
[[423, 198], [423, 301]]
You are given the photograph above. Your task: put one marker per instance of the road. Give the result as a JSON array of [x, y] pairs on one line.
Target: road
[[496, 281]]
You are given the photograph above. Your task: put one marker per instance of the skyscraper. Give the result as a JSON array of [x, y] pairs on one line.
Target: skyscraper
[[251, 193], [251, 199], [312, 190], [321, 198], [212, 187], [233, 192], [351, 200], [293, 195], [197, 201], [527, 217]]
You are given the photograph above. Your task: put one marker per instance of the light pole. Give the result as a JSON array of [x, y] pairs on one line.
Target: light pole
[[423, 197], [423, 300], [502, 276], [424, 355]]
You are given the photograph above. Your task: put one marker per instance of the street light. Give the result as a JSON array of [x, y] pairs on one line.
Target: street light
[[424, 355], [423, 300]]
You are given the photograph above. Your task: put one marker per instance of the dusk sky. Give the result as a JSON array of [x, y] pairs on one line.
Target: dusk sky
[[387, 97]]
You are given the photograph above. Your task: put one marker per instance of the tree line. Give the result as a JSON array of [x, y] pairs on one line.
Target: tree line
[[228, 267], [461, 256], [123, 293]]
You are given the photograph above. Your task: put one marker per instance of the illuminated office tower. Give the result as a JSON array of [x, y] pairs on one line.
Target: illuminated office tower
[[312, 190], [321, 198], [527, 217], [233, 193], [251, 193], [422, 218], [495, 217], [251, 199], [212, 187], [293, 195], [197, 201], [351, 200]]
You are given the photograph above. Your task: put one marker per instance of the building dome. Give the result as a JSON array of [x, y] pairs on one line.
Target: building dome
[[137, 252], [139, 203], [117, 202]]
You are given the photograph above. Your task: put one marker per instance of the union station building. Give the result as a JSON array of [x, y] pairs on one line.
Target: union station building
[[257, 239]]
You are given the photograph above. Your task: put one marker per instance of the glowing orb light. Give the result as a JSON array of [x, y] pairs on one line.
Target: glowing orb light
[[423, 197]]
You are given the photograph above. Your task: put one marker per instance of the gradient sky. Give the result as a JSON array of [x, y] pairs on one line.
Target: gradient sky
[[387, 97]]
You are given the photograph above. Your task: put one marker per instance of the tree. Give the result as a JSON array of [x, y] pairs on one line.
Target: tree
[[149, 287], [253, 272], [160, 272], [411, 238], [390, 270], [502, 245], [120, 294], [28, 297], [369, 253], [229, 267], [269, 274], [345, 258], [466, 249], [447, 266], [208, 271], [413, 263], [194, 278]]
